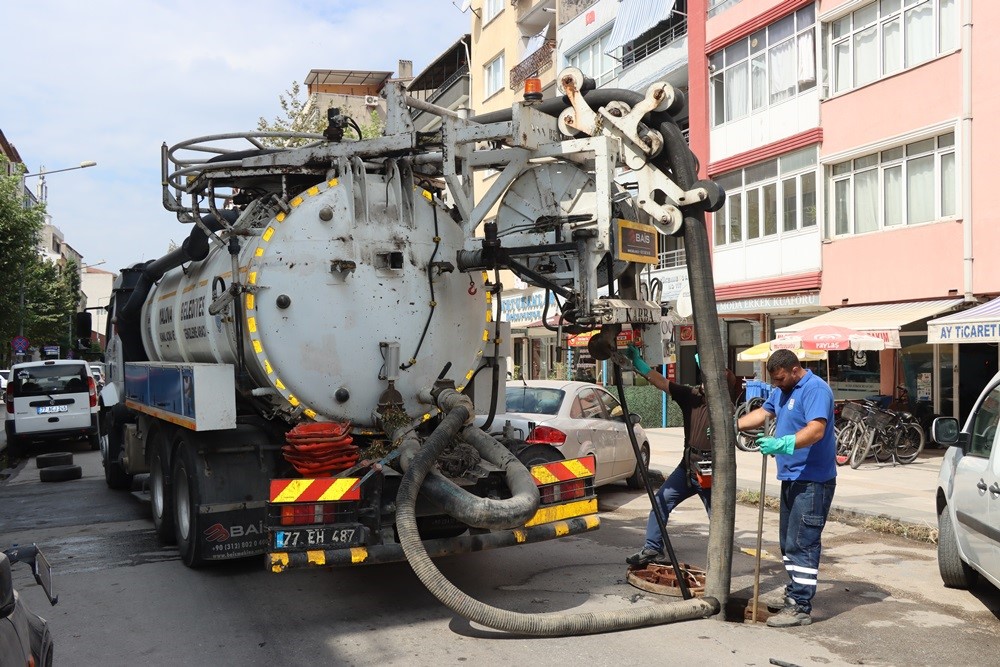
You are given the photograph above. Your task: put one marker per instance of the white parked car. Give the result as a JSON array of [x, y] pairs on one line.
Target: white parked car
[[968, 494], [576, 419], [4, 373], [49, 400]]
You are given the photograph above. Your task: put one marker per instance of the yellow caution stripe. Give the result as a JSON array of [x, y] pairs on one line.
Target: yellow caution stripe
[[315, 490], [563, 471], [565, 511]]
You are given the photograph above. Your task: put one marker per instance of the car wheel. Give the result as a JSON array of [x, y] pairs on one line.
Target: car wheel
[[161, 493], [54, 459], [635, 480], [114, 468], [62, 473], [186, 498], [534, 455], [955, 572], [94, 439]]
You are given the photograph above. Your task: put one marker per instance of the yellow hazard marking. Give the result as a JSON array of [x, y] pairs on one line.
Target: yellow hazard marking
[[313, 191], [359, 554], [259, 252], [460, 388], [250, 301], [592, 521], [291, 492], [426, 416], [308, 412], [294, 401], [486, 335], [267, 367], [520, 535], [268, 233], [562, 528], [257, 347], [279, 384], [332, 182], [577, 468], [468, 376], [295, 202], [338, 489], [167, 295], [280, 217], [279, 562], [252, 324], [253, 278], [316, 557], [564, 511], [543, 475]]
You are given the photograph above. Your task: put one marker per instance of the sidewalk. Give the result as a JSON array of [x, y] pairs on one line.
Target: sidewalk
[[902, 492]]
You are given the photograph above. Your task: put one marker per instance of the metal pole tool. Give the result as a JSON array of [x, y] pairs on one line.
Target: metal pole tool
[[760, 528]]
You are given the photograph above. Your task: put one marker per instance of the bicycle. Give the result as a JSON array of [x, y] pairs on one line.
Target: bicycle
[[747, 440]]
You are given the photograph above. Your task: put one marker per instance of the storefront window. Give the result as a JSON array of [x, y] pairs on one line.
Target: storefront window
[[917, 365], [854, 374]]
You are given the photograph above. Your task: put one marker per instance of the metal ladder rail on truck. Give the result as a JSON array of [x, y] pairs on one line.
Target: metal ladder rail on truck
[[257, 373]]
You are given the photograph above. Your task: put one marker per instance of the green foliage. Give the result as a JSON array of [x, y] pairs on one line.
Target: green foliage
[[299, 115], [51, 293]]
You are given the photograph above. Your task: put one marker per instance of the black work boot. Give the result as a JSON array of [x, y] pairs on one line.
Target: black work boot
[[644, 557]]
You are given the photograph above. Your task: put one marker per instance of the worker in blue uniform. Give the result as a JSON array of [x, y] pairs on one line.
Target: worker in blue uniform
[[804, 446]]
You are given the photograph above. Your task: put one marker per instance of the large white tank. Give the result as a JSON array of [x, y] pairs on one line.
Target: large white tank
[[345, 269]]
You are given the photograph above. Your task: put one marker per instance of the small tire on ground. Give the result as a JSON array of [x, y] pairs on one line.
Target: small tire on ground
[[534, 455], [634, 481], [54, 459], [61, 473], [955, 572]]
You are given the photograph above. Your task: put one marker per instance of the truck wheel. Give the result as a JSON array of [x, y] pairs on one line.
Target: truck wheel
[[955, 572], [114, 468], [161, 493], [54, 459], [62, 473], [186, 502], [534, 455]]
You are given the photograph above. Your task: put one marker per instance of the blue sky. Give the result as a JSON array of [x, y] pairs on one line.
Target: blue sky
[[110, 81]]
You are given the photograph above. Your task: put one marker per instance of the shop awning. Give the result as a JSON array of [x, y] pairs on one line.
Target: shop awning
[[975, 325], [882, 320], [636, 17]]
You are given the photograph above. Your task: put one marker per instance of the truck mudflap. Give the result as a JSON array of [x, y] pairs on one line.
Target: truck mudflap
[[314, 522]]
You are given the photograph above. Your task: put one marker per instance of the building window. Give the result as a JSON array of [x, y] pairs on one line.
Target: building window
[[490, 9], [493, 77], [771, 66], [768, 199], [886, 37], [905, 185], [592, 60]]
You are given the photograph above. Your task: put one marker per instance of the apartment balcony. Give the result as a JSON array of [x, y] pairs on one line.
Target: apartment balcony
[[534, 64], [452, 94], [662, 57]]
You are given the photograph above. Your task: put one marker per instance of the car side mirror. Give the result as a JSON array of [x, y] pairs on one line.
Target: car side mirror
[[6, 588], [945, 431], [635, 419]]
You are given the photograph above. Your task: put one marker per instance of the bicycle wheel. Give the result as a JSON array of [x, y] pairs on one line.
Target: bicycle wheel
[[909, 443], [747, 440], [845, 440], [883, 446], [861, 446]]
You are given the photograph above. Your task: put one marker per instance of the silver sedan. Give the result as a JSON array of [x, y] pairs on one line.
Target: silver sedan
[[577, 419]]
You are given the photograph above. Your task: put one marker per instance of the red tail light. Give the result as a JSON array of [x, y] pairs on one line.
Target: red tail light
[[556, 493], [301, 514], [9, 397], [92, 389], [546, 435]]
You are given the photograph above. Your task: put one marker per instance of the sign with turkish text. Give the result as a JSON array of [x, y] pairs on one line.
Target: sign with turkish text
[[638, 242]]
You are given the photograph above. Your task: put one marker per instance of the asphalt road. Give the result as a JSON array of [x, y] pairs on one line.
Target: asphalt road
[[126, 600]]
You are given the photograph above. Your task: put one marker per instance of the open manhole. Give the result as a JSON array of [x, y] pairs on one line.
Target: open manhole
[[662, 580]]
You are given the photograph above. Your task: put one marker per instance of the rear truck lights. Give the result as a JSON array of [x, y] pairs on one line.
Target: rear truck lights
[[546, 435], [557, 493], [92, 390]]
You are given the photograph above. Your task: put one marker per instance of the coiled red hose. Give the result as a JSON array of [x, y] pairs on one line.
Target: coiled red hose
[[320, 449]]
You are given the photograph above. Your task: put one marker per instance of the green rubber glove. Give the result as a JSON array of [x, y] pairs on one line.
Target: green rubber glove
[[783, 445], [633, 355]]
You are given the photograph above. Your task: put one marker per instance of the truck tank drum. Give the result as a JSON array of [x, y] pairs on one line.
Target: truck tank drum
[[350, 265]]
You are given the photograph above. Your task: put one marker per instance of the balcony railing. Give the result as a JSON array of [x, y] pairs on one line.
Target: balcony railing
[[650, 47], [672, 259], [443, 88], [719, 6], [539, 61]]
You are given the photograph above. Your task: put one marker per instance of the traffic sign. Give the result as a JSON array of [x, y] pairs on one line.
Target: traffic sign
[[20, 344]]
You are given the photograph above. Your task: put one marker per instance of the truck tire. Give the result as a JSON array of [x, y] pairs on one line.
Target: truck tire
[[61, 473], [53, 459], [955, 572], [161, 491], [187, 499], [114, 468]]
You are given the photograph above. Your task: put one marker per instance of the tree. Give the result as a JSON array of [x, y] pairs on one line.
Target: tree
[[302, 115], [50, 293]]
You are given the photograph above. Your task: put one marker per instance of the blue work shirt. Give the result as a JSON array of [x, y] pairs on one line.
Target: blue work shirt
[[810, 399]]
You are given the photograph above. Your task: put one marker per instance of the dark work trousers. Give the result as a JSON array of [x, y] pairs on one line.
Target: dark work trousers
[[804, 508], [677, 488]]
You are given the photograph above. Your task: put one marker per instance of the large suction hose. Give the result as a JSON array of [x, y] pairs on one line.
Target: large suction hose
[[541, 625]]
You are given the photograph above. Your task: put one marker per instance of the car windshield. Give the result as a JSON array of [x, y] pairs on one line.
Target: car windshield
[[45, 380], [534, 399]]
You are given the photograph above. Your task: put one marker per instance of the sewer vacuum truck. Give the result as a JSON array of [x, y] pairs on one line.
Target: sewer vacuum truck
[[334, 314]]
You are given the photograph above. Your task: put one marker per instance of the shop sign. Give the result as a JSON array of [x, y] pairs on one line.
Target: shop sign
[[762, 304], [638, 242], [526, 308]]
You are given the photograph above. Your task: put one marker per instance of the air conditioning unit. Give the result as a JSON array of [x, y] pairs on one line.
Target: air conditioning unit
[[371, 100]]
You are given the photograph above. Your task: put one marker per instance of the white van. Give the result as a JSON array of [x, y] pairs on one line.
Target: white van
[[968, 494], [48, 400]]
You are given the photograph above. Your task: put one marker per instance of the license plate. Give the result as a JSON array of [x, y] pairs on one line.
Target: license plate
[[306, 538], [47, 409]]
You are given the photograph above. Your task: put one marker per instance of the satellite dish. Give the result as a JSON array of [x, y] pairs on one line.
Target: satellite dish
[[683, 306], [466, 5]]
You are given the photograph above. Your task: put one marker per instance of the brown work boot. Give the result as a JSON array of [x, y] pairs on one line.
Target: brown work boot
[[789, 617]]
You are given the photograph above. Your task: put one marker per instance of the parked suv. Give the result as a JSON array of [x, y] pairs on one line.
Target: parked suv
[[48, 400], [968, 494]]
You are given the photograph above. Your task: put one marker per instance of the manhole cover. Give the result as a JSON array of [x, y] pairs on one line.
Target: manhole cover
[[662, 580]]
